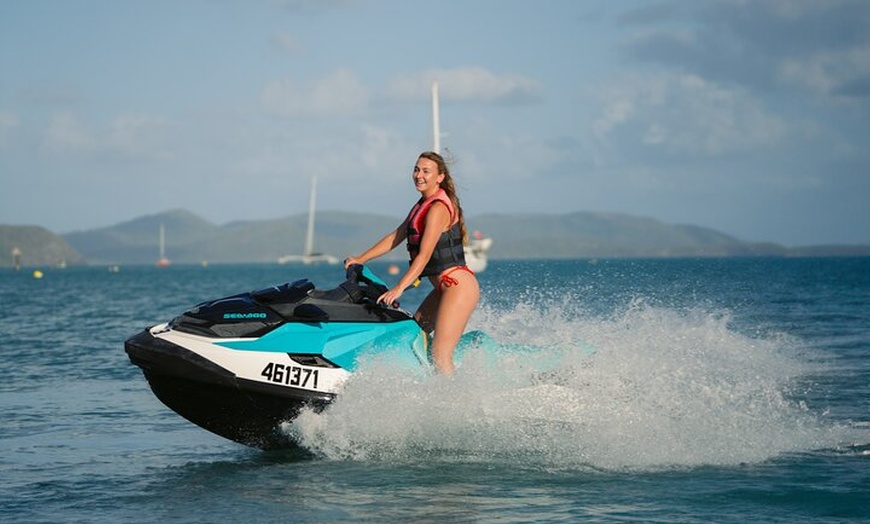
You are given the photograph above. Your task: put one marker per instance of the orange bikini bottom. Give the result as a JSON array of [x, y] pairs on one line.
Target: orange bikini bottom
[[447, 281]]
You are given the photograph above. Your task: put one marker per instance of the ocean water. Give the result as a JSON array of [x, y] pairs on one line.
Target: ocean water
[[673, 391]]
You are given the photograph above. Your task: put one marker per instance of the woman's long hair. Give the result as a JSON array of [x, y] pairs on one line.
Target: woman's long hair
[[449, 188]]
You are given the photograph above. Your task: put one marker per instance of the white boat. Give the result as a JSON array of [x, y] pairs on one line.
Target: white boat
[[16, 258], [476, 252], [309, 256], [477, 248]]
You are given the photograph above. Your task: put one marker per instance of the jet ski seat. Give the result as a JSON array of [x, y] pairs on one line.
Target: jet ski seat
[[288, 293]]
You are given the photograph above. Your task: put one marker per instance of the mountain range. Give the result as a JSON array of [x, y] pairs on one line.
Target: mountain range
[[191, 239]]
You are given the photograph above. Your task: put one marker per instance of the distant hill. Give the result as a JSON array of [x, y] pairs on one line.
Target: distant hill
[[37, 247], [191, 239], [136, 241], [586, 234]]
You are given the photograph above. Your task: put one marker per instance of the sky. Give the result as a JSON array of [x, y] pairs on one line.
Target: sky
[[751, 117]]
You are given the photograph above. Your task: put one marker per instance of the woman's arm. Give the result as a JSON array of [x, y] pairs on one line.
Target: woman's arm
[[382, 246]]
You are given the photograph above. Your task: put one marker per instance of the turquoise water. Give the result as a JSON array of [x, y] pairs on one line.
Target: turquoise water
[[725, 390]]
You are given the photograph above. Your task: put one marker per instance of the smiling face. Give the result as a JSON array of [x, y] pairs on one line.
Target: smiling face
[[426, 177]]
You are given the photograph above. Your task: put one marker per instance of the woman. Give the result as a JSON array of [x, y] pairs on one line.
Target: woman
[[435, 231]]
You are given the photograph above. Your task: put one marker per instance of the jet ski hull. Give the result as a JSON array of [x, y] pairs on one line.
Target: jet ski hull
[[214, 398]]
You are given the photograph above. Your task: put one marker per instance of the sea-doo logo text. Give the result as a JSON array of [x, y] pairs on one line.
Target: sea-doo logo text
[[242, 316]]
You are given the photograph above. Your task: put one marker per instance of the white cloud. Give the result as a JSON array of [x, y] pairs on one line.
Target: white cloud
[[138, 135], [9, 124], [340, 94], [380, 144], [128, 135], [826, 72], [683, 114], [615, 112], [465, 84], [312, 7], [287, 43], [66, 133]]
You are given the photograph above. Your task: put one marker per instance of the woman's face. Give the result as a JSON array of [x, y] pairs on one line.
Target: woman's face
[[426, 176]]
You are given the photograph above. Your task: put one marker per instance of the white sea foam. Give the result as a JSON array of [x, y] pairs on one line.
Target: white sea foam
[[662, 388]]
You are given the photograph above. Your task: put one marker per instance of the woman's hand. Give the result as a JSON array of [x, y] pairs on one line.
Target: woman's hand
[[391, 297], [349, 261]]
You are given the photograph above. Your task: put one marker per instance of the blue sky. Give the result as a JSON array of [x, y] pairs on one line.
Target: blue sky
[[749, 117]]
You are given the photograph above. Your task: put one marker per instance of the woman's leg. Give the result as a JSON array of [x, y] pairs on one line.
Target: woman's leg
[[426, 313], [456, 304]]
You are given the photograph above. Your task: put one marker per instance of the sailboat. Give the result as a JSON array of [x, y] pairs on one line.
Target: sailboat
[[309, 256], [477, 248], [476, 251], [163, 261]]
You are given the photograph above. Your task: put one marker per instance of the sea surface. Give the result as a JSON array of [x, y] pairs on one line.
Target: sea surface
[[672, 391]]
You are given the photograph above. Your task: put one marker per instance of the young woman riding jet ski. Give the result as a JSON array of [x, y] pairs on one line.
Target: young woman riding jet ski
[[435, 233]]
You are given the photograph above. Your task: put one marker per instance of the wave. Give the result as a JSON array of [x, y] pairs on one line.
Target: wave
[[644, 388]]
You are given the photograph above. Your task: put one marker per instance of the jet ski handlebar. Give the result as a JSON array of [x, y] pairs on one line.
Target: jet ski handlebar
[[358, 273]]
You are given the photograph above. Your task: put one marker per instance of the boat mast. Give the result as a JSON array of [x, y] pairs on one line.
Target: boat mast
[[436, 124], [309, 237], [162, 261], [162, 242]]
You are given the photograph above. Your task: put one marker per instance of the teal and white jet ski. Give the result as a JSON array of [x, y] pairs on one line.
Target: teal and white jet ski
[[242, 365]]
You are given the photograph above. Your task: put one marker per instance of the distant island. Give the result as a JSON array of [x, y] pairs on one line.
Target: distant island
[[190, 239], [32, 246]]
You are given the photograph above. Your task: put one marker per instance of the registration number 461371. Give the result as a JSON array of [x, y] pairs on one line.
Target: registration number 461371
[[290, 375]]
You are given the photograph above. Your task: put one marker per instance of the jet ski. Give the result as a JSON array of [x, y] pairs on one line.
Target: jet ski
[[240, 366]]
